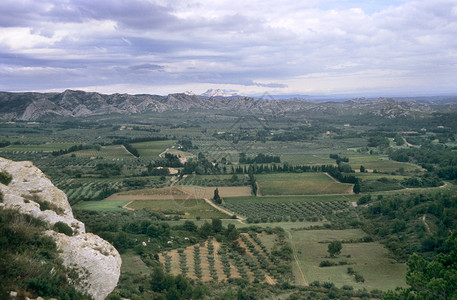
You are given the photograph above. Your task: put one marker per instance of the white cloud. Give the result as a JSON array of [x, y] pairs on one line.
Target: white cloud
[[309, 46]]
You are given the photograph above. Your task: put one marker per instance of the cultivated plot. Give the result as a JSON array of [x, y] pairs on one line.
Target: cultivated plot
[[368, 259], [300, 184]]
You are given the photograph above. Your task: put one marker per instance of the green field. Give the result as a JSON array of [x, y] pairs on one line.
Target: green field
[[300, 184], [380, 163], [132, 263], [186, 208], [371, 260], [102, 205], [48, 147], [153, 148]]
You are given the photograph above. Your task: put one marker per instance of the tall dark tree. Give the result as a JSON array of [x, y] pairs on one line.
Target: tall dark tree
[[356, 188], [216, 198]]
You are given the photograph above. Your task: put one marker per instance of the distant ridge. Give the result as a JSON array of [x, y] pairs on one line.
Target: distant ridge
[[28, 106]]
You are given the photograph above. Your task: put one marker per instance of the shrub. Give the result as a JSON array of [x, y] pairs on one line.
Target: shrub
[[328, 285], [63, 228], [5, 178], [45, 205], [326, 263], [359, 278]]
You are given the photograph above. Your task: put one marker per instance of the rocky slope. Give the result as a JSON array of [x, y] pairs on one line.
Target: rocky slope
[[32, 106], [95, 260]]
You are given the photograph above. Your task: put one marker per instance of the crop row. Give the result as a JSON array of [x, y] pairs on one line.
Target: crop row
[[271, 212], [86, 191], [227, 263]]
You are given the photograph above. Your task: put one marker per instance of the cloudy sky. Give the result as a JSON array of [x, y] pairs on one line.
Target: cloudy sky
[[314, 47]]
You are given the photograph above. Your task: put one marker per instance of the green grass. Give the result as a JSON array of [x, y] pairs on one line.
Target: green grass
[[186, 209], [132, 263], [379, 162], [300, 184], [371, 260], [153, 148], [102, 205]]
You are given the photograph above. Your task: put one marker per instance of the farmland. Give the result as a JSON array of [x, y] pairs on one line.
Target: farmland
[[370, 259], [293, 211], [212, 260], [379, 163], [152, 149], [182, 208], [157, 207], [301, 184]]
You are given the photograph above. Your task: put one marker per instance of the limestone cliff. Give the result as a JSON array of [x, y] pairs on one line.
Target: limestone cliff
[[96, 260]]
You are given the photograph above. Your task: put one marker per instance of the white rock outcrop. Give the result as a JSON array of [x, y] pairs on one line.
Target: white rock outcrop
[[96, 260]]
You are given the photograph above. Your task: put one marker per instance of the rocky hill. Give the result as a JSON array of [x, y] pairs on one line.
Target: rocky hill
[[33, 106], [95, 261]]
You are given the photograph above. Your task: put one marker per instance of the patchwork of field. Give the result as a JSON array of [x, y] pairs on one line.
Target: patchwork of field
[[183, 208], [300, 184], [370, 260]]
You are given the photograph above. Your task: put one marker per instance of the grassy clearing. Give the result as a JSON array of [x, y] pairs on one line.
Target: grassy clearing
[[380, 163], [371, 260], [132, 263], [184, 208], [153, 148], [300, 184], [102, 205]]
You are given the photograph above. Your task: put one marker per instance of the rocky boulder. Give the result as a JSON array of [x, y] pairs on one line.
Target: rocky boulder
[[95, 260]]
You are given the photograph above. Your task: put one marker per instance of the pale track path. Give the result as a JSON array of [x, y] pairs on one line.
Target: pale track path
[[127, 206], [426, 224], [305, 282], [123, 147], [330, 176], [222, 210]]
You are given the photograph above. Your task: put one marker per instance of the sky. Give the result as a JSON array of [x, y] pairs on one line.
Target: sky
[[309, 47]]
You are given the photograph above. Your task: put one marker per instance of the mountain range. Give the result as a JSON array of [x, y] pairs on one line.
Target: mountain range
[[28, 106]]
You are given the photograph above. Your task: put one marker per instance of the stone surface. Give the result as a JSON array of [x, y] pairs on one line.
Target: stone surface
[[96, 260]]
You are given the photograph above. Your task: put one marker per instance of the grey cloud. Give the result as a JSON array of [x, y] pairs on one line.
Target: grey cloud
[[147, 67]]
